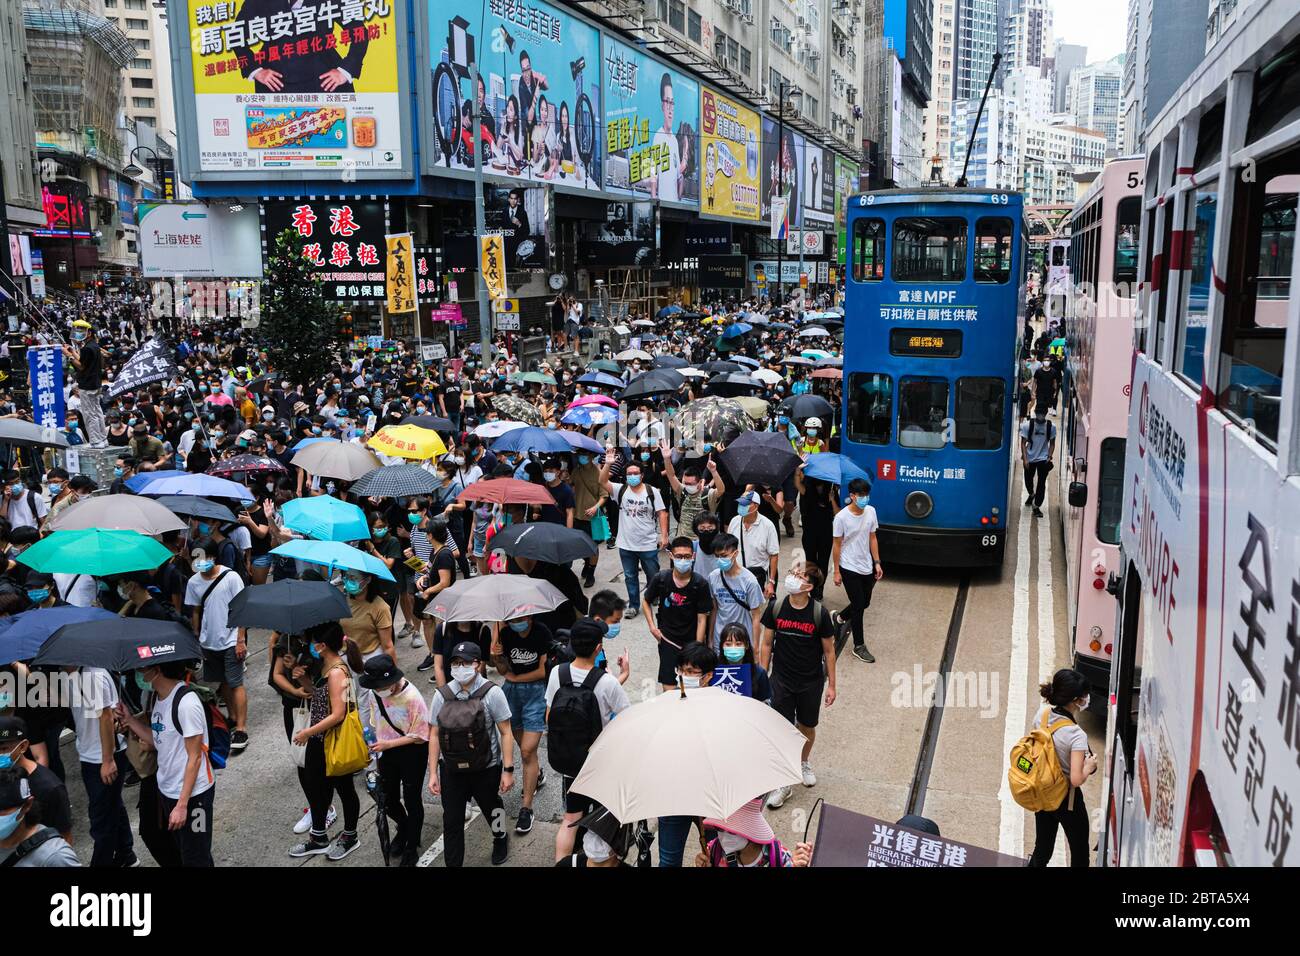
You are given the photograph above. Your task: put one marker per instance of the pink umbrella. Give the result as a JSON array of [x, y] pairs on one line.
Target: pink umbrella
[[221, 398], [594, 400]]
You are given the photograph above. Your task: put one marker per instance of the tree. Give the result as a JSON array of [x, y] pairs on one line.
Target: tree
[[299, 327]]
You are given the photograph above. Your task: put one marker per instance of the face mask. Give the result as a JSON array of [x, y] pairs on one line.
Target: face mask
[[315, 429], [689, 680], [203, 567], [198, 427], [519, 626], [141, 682], [37, 595], [56, 487], [351, 586], [726, 563], [204, 528], [131, 421], [633, 480], [18, 489], [6, 761], [731, 843], [683, 564], [707, 447], [552, 426], [217, 436], [267, 416], [379, 533], [550, 476], [311, 649], [118, 472], [413, 517], [8, 824], [812, 433], [1087, 698], [690, 489], [793, 583], [124, 592], [743, 510], [611, 630], [861, 500], [462, 673], [584, 459], [386, 692], [734, 655], [645, 456], [203, 388]]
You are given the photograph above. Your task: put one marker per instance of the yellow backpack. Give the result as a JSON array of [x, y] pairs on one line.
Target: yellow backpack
[[1035, 776]]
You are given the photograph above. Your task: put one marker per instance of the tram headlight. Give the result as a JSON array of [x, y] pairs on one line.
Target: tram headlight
[[918, 505]]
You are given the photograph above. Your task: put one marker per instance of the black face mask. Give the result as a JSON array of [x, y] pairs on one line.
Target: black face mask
[[706, 540]]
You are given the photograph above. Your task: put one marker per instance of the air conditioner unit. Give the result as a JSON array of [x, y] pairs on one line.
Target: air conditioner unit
[[748, 18]]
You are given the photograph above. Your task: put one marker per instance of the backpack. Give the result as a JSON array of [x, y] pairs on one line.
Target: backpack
[[560, 652], [464, 735], [218, 748], [574, 721], [1035, 776]]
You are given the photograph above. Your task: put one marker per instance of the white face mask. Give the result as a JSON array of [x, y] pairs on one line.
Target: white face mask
[[794, 584], [689, 680], [462, 673], [731, 842]]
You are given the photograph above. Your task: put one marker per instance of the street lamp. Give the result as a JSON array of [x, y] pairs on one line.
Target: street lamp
[[134, 171], [784, 91]]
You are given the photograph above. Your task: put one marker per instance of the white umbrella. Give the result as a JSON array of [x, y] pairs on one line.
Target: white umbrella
[[631, 355], [495, 597], [497, 428], [117, 513], [692, 373], [768, 377], [812, 332], [707, 754], [342, 460]]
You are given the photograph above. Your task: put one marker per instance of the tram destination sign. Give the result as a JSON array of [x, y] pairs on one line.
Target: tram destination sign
[[932, 343]]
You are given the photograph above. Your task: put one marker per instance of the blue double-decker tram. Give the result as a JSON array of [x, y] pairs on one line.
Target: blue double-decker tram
[[933, 316]]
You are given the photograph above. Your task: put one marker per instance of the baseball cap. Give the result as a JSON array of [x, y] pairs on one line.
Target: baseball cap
[[466, 651], [748, 498], [12, 730]]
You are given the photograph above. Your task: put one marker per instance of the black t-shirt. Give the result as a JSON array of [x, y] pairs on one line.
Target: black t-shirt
[[451, 397], [797, 642], [91, 374], [447, 636], [564, 500], [1045, 381], [442, 560], [525, 651], [52, 797], [390, 547], [677, 608]]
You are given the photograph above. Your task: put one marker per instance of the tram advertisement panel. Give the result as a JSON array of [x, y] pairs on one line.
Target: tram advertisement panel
[[729, 157], [652, 122], [538, 98], [280, 87]]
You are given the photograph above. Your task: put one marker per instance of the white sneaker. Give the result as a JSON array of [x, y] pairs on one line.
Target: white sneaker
[[405, 632], [776, 799], [416, 639], [809, 778], [303, 825], [469, 811]]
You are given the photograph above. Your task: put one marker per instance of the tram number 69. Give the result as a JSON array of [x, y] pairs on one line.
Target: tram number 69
[[999, 199], [989, 541]]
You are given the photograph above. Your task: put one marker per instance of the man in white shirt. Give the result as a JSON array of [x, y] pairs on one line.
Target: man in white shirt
[[760, 545], [208, 595], [102, 752], [665, 185], [21, 506], [855, 554], [642, 527]]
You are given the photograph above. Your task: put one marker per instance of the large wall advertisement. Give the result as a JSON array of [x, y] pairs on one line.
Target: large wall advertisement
[[344, 240], [652, 123], [538, 98], [846, 184], [301, 87], [729, 147], [783, 170]]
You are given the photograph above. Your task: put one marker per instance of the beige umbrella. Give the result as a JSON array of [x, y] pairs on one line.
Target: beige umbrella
[[117, 513], [707, 754], [336, 459], [755, 408]]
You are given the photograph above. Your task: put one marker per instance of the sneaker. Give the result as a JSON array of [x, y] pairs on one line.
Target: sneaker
[[1038, 512], [405, 632], [500, 850], [525, 822], [589, 579], [632, 611], [238, 741], [345, 844], [469, 812], [310, 847], [303, 825], [130, 778], [1029, 500], [130, 861], [417, 639], [861, 653], [776, 799], [809, 778], [610, 545], [426, 664], [789, 526]]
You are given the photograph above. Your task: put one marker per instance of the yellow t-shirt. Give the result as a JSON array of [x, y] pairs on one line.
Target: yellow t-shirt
[[367, 620]]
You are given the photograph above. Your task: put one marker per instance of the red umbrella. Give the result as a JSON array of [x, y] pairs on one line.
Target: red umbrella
[[505, 491], [246, 464], [828, 373]]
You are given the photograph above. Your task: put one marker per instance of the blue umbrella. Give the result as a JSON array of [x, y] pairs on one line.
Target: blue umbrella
[[23, 634], [669, 310], [310, 441], [601, 379], [736, 330], [326, 518], [334, 554], [205, 486], [531, 439], [136, 482], [581, 442], [837, 469], [585, 416]]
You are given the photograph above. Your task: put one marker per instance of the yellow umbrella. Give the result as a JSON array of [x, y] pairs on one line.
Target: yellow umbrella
[[407, 441]]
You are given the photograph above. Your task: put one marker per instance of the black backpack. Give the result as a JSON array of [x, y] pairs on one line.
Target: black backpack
[[574, 721]]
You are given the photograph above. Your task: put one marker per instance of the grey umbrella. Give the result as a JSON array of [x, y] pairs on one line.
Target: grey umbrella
[[396, 481], [195, 507], [16, 432], [120, 513], [495, 597]]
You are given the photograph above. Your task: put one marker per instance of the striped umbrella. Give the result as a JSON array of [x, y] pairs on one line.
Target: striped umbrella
[[395, 481]]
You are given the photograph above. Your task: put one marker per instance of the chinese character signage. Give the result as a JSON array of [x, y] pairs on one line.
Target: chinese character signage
[[45, 368], [296, 85], [735, 679], [195, 239], [626, 237], [538, 101], [492, 255], [722, 272], [729, 158], [651, 127], [344, 239], [152, 362], [845, 838], [401, 273]]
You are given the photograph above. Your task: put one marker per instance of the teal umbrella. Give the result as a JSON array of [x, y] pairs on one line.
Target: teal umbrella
[[326, 518], [94, 551], [334, 554]]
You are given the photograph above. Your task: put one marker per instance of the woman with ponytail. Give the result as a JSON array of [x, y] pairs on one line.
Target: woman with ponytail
[[1066, 695]]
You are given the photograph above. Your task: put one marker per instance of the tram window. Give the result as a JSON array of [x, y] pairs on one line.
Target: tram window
[[929, 250], [1110, 491], [1277, 94], [1058, 255], [1127, 682], [992, 250], [1258, 278], [1157, 352], [922, 412], [981, 410], [1128, 216], [1189, 347], [1209, 138], [868, 250], [871, 406]]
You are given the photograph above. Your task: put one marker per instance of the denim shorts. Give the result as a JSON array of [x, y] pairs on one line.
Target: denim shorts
[[263, 560], [527, 705]]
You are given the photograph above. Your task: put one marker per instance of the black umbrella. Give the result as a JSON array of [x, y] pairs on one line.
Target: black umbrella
[[545, 541], [731, 384], [431, 422], [396, 481], [192, 506], [375, 784], [670, 361], [657, 381], [780, 326], [807, 405], [760, 458], [718, 366], [288, 606], [117, 646]]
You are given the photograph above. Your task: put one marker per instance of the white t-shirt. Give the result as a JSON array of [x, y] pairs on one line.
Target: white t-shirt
[[856, 530], [172, 756], [729, 610], [214, 634], [638, 525], [79, 590], [609, 692], [20, 515], [1067, 739], [242, 538], [758, 542], [93, 690], [668, 177]]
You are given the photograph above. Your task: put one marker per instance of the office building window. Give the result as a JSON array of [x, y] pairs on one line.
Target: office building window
[[693, 25], [142, 102], [677, 15], [744, 60], [141, 83], [133, 23]]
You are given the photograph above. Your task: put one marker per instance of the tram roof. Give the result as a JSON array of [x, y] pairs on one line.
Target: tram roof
[[945, 194]]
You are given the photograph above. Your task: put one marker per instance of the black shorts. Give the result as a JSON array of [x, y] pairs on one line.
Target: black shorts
[[574, 802], [667, 663], [801, 706]]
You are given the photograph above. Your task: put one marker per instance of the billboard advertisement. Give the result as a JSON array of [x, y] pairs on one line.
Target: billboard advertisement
[[518, 214], [652, 123], [291, 86], [194, 239], [783, 170], [817, 187], [729, 158], [344, 240], [846, 184], [538, 97], [627, 236]]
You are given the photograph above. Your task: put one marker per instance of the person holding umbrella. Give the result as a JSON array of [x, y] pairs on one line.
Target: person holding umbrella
[[401, 721], [518, 652], [746, 839]]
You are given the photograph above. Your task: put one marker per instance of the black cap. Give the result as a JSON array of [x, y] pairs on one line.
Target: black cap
[[12, 730], [14, 790], [380, 672], [915, 822], [466, 651]]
